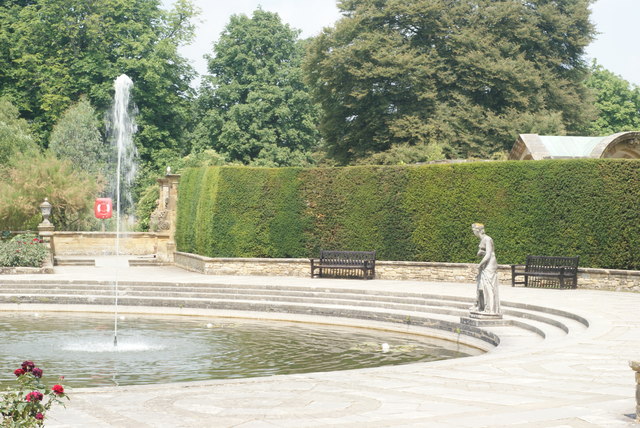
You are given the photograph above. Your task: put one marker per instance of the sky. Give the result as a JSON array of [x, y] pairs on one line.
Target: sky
[[615, 48]]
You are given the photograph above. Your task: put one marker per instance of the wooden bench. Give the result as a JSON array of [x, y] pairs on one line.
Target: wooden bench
[[547, 272], [344, 264]]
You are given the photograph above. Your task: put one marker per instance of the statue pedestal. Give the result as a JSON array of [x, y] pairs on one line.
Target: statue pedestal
[[479, 319], [484, 316]]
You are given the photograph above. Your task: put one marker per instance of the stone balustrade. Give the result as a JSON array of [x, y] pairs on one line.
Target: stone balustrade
[[103, 243]]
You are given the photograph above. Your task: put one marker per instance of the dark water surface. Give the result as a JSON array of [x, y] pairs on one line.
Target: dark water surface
[[160, 349]]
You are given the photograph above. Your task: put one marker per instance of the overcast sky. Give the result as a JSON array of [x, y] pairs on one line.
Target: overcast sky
[[616, 45]]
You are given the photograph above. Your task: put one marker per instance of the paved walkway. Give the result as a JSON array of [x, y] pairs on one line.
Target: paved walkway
[[579, 380]]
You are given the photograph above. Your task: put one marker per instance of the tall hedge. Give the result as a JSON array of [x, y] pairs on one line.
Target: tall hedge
[[589, 208], [241, 212]]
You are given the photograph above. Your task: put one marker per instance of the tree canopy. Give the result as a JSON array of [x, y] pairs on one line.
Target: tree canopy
[[469, 73], [76, 137], [617, 101], [15, 135], [54, 51], [254, 106]]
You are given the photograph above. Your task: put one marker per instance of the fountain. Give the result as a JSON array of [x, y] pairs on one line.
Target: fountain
[[162, 349], [157, 349], [122, 129]]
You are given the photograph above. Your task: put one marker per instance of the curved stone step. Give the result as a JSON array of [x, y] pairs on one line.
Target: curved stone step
[[440, 308]]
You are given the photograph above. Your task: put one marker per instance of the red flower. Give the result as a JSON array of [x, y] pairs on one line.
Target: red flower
[[19, 372], [39, 416], [34, 395], [27, 366], [37, 372], [58, 389]]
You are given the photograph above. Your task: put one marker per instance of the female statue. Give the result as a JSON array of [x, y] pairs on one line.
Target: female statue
[[487, 279]]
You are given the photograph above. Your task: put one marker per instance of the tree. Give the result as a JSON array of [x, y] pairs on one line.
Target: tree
[[53, 51], [617, 101], [77, 137], [468, 73], [15, 135], [255, 108]]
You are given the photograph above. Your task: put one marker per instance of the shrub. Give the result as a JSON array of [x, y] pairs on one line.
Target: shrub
[[24, 250], [26, 404], [34, 177]]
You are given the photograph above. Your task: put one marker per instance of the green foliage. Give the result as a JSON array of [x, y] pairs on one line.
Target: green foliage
[[34, 177], [24, 250], [254, 108], [190, 187], [241, 212], [146, 205], [53, 51], [358, 209], [15, 135], [76, 137], [401, 154], [617, 101], [469, 73], [585, 208]]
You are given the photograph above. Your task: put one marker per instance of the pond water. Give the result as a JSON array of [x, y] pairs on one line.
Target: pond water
[[162, 349]]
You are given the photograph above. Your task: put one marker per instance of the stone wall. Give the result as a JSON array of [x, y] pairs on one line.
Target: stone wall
[[238, 266], [605, 279], [103, 243]]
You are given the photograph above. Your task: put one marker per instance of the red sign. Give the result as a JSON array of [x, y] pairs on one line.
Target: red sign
[[102, 208]]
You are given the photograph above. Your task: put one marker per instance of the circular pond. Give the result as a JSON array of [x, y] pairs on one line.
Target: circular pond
[[161, 349]]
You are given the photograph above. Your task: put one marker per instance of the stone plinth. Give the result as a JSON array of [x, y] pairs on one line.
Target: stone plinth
[[484, 316], [479, 319]]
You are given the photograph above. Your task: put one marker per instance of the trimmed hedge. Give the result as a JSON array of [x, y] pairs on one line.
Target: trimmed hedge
[[585, 207], [241, 212]]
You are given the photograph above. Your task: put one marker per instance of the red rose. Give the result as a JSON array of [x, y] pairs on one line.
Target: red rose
[[34, 396], [19, 372], [39, 416], [36, 372], [58, 389], [27, 366]]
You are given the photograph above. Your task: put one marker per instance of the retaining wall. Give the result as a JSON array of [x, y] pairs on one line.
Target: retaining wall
[[604, 279], [103, 243]]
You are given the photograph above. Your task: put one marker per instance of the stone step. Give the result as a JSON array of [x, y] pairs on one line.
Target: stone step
[[68, 261], [278, 298]]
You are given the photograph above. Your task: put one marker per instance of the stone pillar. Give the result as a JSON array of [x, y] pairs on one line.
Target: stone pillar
[[163, 219], [46, 228], [635, 365]]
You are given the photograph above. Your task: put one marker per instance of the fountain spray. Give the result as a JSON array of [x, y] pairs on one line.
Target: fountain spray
[[123, 128]]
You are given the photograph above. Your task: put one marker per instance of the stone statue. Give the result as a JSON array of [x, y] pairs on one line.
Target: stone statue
[[488, 302]]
